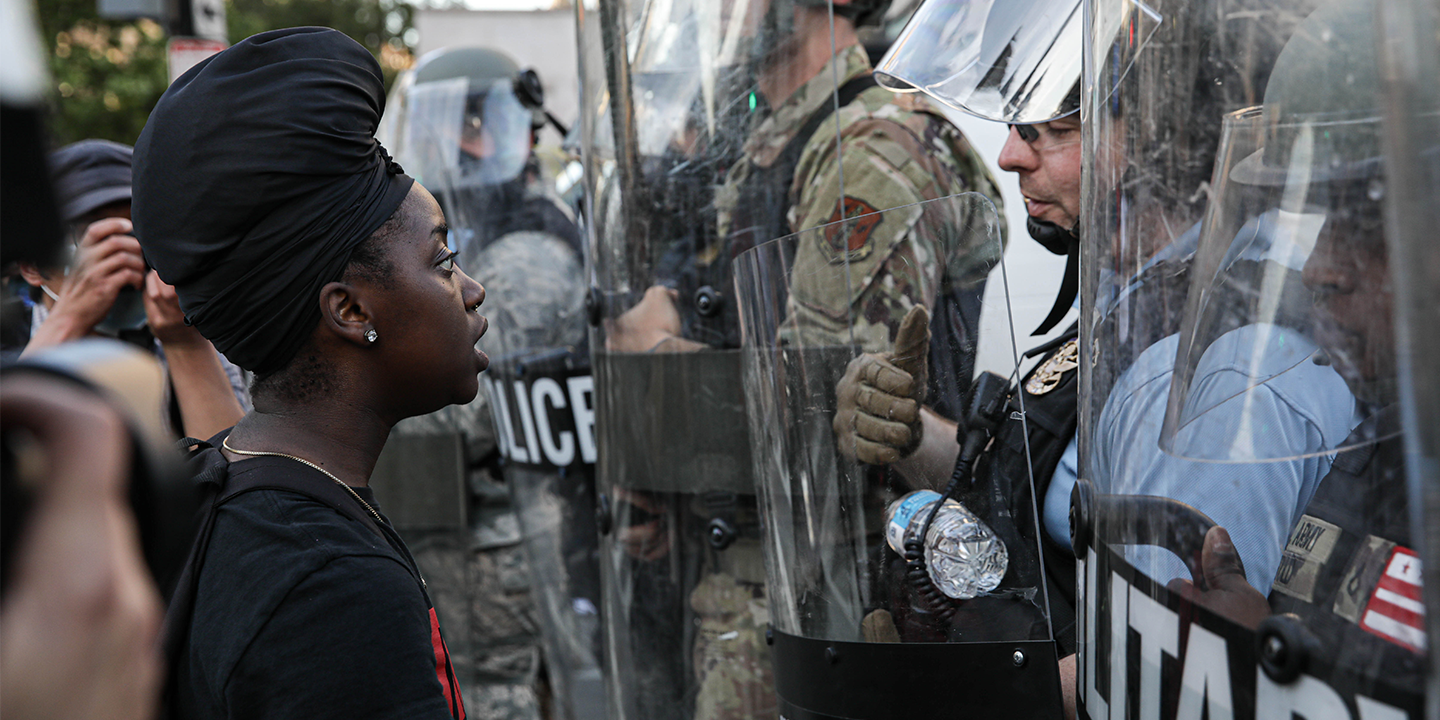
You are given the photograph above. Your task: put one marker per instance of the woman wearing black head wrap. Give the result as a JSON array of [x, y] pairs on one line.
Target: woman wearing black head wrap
[[305, 255]]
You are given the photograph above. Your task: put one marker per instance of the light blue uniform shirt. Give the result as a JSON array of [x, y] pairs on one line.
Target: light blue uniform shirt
[[1301, 410], [1298, 414], [1055, 515], [1055, 511]]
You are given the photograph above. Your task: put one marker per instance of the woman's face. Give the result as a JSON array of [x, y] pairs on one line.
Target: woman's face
[[426, 315]]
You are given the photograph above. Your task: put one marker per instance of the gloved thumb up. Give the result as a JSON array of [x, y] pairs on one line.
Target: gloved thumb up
[[912, 348], [877, 418]]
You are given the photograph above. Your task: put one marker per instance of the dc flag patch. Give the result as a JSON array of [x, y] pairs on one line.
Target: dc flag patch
[[1395, 611]]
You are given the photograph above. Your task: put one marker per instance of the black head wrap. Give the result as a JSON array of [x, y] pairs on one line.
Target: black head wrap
[[255, 178]]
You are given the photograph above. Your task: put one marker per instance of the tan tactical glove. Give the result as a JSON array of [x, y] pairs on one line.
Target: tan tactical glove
[[878, 415], [879, 626]]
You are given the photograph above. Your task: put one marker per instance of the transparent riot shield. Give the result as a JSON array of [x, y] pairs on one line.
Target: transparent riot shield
[[867, 621], [671, 96], [518, 550], [1409, 53], [707, 132], [1242, 522], [542, 404]]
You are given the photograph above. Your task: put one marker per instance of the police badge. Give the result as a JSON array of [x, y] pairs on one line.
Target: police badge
[[1047, 377]]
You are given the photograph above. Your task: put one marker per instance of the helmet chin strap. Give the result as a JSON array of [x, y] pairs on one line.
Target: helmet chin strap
[[1051, 236], [1060, 241]]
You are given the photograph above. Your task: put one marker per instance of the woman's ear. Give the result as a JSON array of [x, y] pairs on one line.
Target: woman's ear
[[343, 310]]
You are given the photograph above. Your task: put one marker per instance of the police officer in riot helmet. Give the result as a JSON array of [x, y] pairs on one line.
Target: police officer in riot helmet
[[987, 76], [1349, 578], [1279, 421], [494, 185]]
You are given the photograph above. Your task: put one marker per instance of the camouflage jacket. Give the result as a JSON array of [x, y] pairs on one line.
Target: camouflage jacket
[[894, 150]]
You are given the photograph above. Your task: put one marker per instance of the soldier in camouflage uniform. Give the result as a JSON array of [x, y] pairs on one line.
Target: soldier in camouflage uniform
[[461, 122], [892, 151]]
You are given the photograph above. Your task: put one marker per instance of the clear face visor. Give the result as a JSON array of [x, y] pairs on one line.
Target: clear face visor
[[1290, 299], [1012, 62], [448, 135]]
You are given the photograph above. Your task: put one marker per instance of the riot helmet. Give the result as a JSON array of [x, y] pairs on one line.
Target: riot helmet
[[1003, 61], [497, 103], [464, 122], [1010, 62], [1294, 243]]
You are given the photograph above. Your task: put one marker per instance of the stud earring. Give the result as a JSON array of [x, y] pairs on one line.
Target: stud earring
[[371, 336]]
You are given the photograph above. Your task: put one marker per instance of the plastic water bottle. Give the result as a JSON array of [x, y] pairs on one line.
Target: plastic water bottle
[[962, 554]]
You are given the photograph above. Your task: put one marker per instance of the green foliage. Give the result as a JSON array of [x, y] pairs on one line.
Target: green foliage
[[107, 75], [379, 25]]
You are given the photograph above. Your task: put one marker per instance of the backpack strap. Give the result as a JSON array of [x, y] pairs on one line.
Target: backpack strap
[[846, 94], [208, 470]]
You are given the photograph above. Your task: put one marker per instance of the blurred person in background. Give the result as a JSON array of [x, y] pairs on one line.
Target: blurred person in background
[[79, 612], [105, 288]]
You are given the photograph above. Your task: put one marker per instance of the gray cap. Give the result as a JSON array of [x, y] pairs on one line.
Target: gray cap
[[89, 175]]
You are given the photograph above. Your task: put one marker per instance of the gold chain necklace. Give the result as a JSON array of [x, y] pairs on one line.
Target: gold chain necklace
[[258, 453]]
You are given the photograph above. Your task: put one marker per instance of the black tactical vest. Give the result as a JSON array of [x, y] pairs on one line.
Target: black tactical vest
[[709, 314], [1050, 419]]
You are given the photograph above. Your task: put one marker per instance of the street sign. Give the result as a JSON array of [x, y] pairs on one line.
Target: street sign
[[184, 53]]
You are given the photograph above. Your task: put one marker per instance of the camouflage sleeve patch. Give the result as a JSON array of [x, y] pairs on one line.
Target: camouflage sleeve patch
[[896, 151], [864, 258], [853, 237]]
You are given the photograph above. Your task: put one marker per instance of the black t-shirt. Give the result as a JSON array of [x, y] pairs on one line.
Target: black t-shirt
[[302, 612]]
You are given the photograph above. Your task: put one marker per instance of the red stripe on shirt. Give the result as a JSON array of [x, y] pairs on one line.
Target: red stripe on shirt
[[444, 672]]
